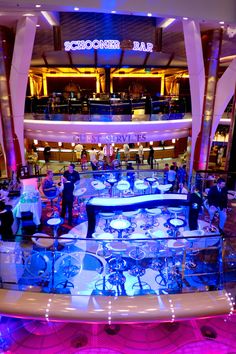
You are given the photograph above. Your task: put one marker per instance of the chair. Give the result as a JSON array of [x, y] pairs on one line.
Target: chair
[[51, 199], [27, 224]]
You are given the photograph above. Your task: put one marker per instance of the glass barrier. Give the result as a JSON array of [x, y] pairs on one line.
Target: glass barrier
[[107, 265]]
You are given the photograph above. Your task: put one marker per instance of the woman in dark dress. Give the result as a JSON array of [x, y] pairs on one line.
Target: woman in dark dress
[[195, 206]]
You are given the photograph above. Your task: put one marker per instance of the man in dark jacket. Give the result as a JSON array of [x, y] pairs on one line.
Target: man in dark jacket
[[6, 221], [217, 199], [70, 177]]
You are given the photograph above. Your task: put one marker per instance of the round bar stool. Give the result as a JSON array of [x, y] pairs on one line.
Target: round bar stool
[[130, 215], [117, 266], [174, 211], [153, 214], [42, 240], [79, 203], [107, 217], [137, 253], [98, 186], [151, 181], [68, 266], [123, 186], [67, 240], [104, 239], [140, 185], [163, 188], [175, 224], [192, 237], [112, 181], [120, 225]]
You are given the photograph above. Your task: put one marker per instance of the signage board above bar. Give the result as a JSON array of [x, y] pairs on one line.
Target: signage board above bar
[[110, 138], [107, 44]]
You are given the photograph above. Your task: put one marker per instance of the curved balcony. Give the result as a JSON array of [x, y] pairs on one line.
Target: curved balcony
[[128, 258]]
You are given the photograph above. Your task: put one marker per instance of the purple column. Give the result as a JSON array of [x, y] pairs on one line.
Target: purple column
[[10, 141]]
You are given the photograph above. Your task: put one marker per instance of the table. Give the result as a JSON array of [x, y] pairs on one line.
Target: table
[[123, 185], [98, 185], [32, 204]]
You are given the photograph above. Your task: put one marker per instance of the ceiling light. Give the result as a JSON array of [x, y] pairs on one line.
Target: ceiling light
[[221, 23], [185, 18], [76, 8], [51, 18], [167, 22], [113, 12], [28, 15], [37, 5], [149, 14], [37, 25]]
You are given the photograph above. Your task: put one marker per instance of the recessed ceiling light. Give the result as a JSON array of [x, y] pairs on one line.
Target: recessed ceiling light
[[76, 8], [113, 12], [37, 5], [28, 15], [185, 18], [37, 25], [149, 14], [221, 23]]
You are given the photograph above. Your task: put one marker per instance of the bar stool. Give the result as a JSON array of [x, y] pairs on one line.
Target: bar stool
[[67, 240], [140, 185], [107, 217], [42, 240], [136, 252], [151, 181], [68, 266], [103, 240], [116, 266], [151, 214], [78, 193], [123, 186], [120, 225], [130, 215]]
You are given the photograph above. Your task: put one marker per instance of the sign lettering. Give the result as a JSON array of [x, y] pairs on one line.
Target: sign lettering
[[105, 44]]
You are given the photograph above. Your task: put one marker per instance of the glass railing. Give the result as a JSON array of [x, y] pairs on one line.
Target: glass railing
[[101, 266]]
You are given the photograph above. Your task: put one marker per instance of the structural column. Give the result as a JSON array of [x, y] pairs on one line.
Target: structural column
[[23, 47], [9, 141], [212, 47]]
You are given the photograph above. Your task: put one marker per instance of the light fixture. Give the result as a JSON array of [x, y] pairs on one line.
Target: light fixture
[[59, 143], [37, 25], [173, 141], [113, 12], [72, 144], [99, 144], [185, 18], [113, 144], [36, 142], [149, 14], [167, 22], [38, 5], [51, 18], [151, 143], [76, 8], [221, 22]]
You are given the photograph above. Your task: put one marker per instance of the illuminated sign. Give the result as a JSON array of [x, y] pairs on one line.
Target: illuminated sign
[[109, 139], [106, 44]]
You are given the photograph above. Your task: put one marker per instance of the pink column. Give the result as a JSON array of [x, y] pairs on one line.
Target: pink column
[[194, 54], [23, 47]]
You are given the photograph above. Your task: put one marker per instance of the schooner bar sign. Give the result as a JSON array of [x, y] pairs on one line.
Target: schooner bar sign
[[106, 44]]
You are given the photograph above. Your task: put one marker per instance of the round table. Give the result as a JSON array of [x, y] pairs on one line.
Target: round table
[[78, 192], [98, 185], [177, 244], [120, 225]]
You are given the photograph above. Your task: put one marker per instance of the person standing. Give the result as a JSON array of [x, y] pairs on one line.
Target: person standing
[[70, 177], [93, 158], [6, 221], [126, 152], [151, 157], [78, 150], [218, 200], [140, 153], [47, 153], [195, 205]]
